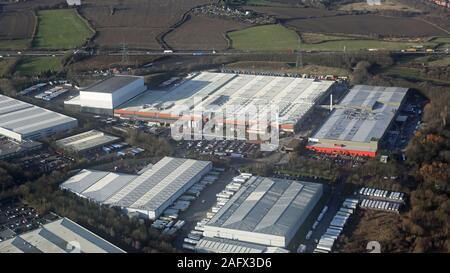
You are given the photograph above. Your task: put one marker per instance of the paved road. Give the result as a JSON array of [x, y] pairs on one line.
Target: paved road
[[197, 210], [11, 53], [334, 203]]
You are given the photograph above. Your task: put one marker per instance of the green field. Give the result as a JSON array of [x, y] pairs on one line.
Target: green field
[[14, 44], [267, 37], [277, 37], [61, 29], [31, 66]]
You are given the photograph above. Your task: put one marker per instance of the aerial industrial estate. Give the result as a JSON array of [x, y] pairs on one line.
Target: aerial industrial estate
[[301, 132]]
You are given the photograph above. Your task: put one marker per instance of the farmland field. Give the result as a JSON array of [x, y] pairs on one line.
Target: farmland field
[[292, 12], [136, 23], [277, 37], [211, 36], [15, 44], [367, 25], [35, 65], [61, 29], [385, 5], [29, 5], [356, 44], [267, 37], [17, 25]]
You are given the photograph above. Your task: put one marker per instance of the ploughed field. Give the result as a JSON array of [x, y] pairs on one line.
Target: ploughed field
[[17, 25], [202, 33], [136, 23]]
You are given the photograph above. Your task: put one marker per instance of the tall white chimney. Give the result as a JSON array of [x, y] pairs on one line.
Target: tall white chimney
[[331, 102]]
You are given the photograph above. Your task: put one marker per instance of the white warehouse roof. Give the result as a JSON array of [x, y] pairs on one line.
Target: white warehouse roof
[[265, 208], [148, 191], [364, 114], [20, 120], [87, 140], [156, 185], [97, 185], [294, 97], [55, 238]]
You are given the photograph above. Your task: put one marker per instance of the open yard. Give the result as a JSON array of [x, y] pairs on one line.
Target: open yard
[[30, 66], [211, 36], [267, 37], [61, 29]]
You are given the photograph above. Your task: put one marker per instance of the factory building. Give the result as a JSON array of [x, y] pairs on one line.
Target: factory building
[[20, 120], [60, 236], [105, 95], [220, 245], [359, 121], [86, 141], [236, 101], [265, 211], [149, 193]]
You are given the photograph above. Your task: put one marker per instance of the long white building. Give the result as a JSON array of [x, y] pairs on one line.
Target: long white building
[[107, 94], [231, 99], [20, 120], [266, 211], [60, 236], [148, 193]]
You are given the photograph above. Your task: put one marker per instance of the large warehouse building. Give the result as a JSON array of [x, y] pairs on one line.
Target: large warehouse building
[[60, 236], [359, 122], [148, 193], [20, 120], [239, 94], [266, 211], [86, 141], [105, 95]]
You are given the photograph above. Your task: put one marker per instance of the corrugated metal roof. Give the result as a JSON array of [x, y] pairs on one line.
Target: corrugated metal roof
[[267, 205], [363, 115], [25, 119], [212, 91], [56, 237], [156, 185], [219, 245], [147, 191], [86, 140]]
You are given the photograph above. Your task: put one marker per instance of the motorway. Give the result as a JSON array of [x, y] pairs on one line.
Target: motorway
[[41, 53]]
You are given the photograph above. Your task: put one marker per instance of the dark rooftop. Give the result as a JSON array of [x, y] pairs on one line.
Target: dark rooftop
[[111, 84]]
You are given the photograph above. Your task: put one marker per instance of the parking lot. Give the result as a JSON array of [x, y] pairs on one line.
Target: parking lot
[[43, 162], [221, 148], [408, 120], [16, 218]]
